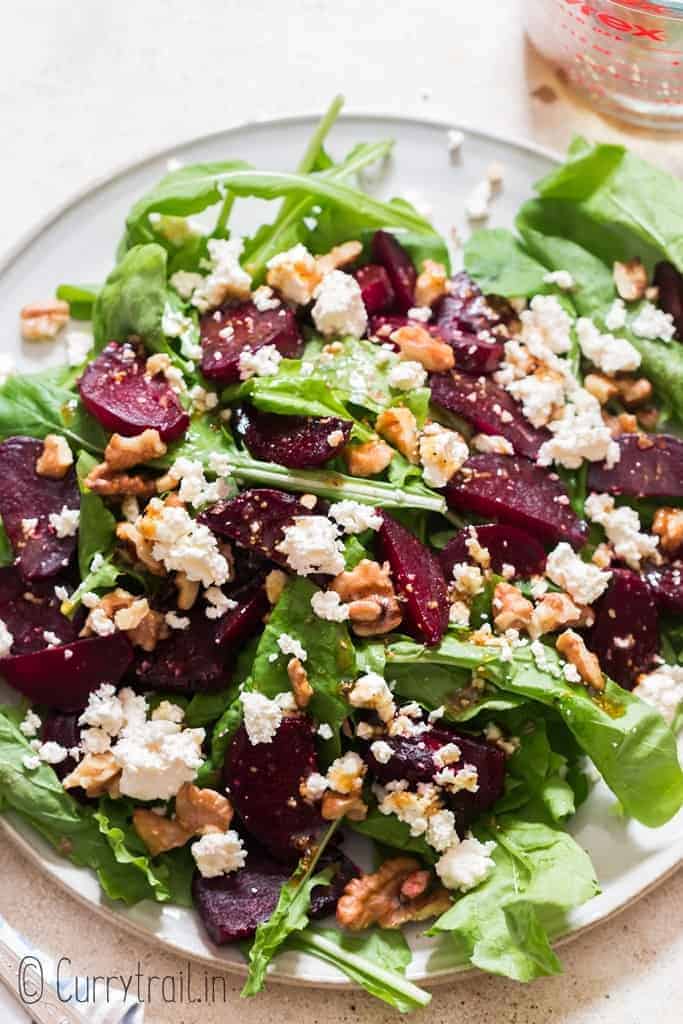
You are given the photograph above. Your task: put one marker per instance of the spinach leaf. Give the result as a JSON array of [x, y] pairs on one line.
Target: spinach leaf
[[207, 707], [81, 299], [390, 831], [35, 405], [500, 266], [97, 526], [594, 285], [6, 551], [102, 578]]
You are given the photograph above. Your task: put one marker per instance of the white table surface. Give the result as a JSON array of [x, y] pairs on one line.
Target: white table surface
[[89, 85]]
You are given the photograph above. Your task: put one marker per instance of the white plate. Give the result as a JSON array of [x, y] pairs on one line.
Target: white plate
[[77, 245]]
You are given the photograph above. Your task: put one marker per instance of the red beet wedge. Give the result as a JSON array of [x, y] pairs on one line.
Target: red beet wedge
[[389, 252], [32, 611], [466, 309], [62, 677], [117, 390], [666, 584], [375, 288], [650, 466], [518, 492], [263, 780], [669, 280], [227, 332], [507, 545], [189, 660], [238, 625], [488, 408], [26, 502], [625, 636], [418, 580], [299, 442], [256, 519]]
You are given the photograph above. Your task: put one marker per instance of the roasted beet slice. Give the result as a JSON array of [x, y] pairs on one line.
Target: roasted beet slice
[[62, 677], [256, 519], [264, 779], [507, 545], [464, 308], [190, 660], [233, 906], [226, 333], [299, 442], [666, 584], [63, 729], [117, 390], [488, 408], [669, 280], [238, 625], [418, 580], [375, 288], [650, 466], [518, 492], [24, 497], [625, 636], [32, 613], [475, 355], [389, 252]]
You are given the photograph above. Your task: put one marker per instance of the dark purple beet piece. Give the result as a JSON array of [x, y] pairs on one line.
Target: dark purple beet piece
[[299, 442], [488, 408], [650, 466], [266, 510], [389, 252], [263, 781], [475, 355], [625, 636], [507, 545], [464, 308], [123, 397], [31, 610], [62, 677], [24, 494], [375, 288], [518, 492], [669, 280], [189, 660], [418, 580], [238, 625], [63, 729], [666, 584], [226, 333]]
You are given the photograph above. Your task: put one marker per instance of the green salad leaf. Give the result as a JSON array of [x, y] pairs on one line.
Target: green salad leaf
[[6, 550], [388, 830], [500, 266], [35, 405], [97, 525], [81, 299]]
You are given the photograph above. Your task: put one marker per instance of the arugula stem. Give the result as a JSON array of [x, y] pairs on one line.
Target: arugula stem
[[224, 215], [307, 162]]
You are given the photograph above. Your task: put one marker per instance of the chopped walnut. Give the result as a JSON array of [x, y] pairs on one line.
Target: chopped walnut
[[648, 418], [149, 631], [188, 591], [573, 648], [624, 423], [102, 481], [129, 616], [142, 548], [378, 899], [399, 426], [124, 452], [298, 680], [431, 284], [55, 459], [635, 392], [158, 363], [511, 608], [159, 834], [601, 387], [275, 583], [369, 593], [367, 459], [202, 810], [668, 525], [351, 806], [338, 257], [552, 612], [630, 279], [95, 773], [416, 343], [415, 884], [42, 321]]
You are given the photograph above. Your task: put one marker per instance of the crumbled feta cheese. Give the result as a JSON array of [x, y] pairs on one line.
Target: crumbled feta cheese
[[51, 638], [616, 316], [562, 278], [31, 762], [653, 323], [290, 645], [262, 716], [455, 140], [202, 400], [468, 579], [441, 831], [325, 731], [100, 623], [31, 723], [194, 487], [371, 691], [95, 741], [353, 517], [78, 344], [579, 433], [345, 774], [381, 751], [406, 375], [335, 438], [156, 758], [415, 809], [478, 202], [339, 308], [546, 327], [104, 710], [541, 395], [311, 544], [421, 313], [264, 299], [442, 453], [52, 753], [168, 712], [662, 688], [465, 864], [313, 787], [492, 443], [466, 778], [175, 621], [328, 605], [185, 284], [448, 754], [583, 581], [403, 725], [459, 613], [622, 528], [217, 603], [6, 640], [219, 853], [611, 355], [65, 523], [227, 279], [184, 545], [28, 525], [264, 362], [295, 274]]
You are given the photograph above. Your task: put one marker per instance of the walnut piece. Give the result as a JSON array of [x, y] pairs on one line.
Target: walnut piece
[[95, 773], [601, 387], [416, 343], [369, 593], [298, 679], [431, 284], [367, 459], [552, 612], [338, 257], [511, 608], [350, 805], [141, 547], [668, 525], [399, 426], [624, 423], [188, 591], [42, 321], [124, 452], [378, 898], [55, 459], [630, 279], [158, 833], [202, 810], [635, 392], [275, 583], [573, 648]]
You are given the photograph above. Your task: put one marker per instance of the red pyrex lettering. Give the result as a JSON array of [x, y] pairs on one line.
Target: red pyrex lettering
[[656, 35]]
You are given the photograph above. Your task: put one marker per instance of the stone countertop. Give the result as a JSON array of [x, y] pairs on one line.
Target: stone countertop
[[89, 86]]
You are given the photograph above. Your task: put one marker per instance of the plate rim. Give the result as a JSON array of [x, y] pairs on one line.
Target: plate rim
[[662, 866]]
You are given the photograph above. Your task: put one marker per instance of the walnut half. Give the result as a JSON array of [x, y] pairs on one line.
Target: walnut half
[[369, 593], [390, 897]]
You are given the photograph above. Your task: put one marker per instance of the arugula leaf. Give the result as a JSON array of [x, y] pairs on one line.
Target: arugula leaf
[[97, 526], [359, 372], [594, 284], [102, 578], [390, 831], [6, 550], [500, 266], [35, 405], [81, 299], [207, 707]]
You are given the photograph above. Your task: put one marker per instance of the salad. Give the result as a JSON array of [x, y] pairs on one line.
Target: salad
[[315, 537]]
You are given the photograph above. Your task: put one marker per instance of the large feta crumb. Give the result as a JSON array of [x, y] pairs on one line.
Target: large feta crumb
[[166, 711], [156, 758], [325, 731], [353, 517], [264, 362], [6, 640], [541, 395], [477, 204], [290, 645], [415, 809], [78, 344], [31, 762], [381, 751], [546, 326], [339, 309], [30, 724], [65, 523], [52, 753], [104, 710], [622, 528], [95, 741], [184, 545], [345, 774], [441, 831], [448, 754], [328, 605], [562, 278], [185, 282], [653, 323], [579, 433], [421, 313], [465, 864], [313, 787], [295, 274], [194, 487], [406, 375], [371, 691], [202, 400], [466, 778], [468, 579], [616, 316], [227, 279], [264, 299], [611, 355], [100, 623], [311, 544], [492, 443], [662, 688], [219, 853], [442, 453], [583, 581], [217, 604], [262, 716]]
